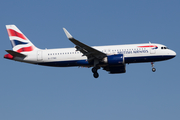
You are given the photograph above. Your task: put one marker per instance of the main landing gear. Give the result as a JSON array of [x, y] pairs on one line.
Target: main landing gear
[[153, 69], [95, 73], [95, 68]]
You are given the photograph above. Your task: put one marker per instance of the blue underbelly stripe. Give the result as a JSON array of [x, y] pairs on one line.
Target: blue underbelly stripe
[[127, 60]]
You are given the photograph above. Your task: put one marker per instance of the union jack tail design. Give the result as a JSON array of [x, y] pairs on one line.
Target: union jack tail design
[[19, 41]]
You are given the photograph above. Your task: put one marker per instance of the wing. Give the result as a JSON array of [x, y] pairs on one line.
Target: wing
[[88, 51]]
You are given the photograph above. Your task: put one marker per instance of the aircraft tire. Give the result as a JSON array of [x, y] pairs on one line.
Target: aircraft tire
[[153, 69], [96, 75], [94, 70]]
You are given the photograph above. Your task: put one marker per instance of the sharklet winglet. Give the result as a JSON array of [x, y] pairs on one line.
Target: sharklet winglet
[[69, 36]]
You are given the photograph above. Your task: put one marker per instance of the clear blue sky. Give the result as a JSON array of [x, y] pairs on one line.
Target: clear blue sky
[[31, 92]]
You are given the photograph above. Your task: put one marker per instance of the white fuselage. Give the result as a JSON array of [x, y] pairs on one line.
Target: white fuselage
[[64, 57]]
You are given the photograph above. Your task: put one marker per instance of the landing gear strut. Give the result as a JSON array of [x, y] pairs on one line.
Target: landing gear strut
[[153, 69]]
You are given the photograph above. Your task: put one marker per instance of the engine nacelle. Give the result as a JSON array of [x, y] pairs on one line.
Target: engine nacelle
[[114, 59]]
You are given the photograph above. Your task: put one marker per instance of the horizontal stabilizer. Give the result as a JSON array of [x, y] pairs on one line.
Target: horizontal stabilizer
[[15, 54]]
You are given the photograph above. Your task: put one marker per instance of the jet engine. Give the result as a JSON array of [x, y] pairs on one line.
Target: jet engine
[[114, 59]]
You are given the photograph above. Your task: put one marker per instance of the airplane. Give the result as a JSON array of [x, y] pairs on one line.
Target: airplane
[[112, 58]]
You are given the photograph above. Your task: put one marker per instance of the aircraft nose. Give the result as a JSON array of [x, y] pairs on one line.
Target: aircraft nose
[[173, 53]]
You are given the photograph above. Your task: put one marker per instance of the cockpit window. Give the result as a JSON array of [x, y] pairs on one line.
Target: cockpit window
[[164, 48]]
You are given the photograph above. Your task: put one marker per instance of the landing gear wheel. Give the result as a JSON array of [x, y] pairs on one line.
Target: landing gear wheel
[[96, 75], [153, 69], [94, 70]]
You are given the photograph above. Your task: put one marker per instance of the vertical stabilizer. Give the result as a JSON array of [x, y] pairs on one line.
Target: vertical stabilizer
[[19, 41]]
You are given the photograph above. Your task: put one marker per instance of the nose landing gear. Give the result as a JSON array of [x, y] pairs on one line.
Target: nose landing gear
[[153, 69]]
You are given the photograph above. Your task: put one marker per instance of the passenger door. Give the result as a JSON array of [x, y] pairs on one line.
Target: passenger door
[[39, 55]]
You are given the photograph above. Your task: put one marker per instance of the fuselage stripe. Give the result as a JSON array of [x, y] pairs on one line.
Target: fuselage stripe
[[148, 46]]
